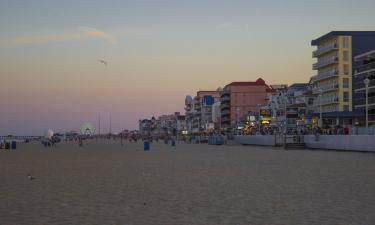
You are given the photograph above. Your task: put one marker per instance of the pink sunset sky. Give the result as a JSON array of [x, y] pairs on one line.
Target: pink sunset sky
[[157, 51]]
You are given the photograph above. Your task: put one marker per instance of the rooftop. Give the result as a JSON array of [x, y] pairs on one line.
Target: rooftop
[[259, 82], [339, 33]]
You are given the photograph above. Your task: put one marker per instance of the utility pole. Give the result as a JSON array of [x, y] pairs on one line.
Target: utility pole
[[110, 124], [99, 124]]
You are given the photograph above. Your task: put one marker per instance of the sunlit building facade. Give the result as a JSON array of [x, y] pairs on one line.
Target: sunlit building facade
[[333, 83], [240, 98]]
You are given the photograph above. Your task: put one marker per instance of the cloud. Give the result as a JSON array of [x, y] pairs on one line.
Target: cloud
[[93, 32], [224, 26], [83, 33]]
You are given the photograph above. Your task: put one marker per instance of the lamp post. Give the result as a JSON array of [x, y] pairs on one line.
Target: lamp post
[[259, 108], [367, 82], [285, 100], [320, 109]]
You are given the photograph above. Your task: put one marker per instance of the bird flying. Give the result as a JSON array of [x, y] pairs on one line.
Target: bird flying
[[105, 63]]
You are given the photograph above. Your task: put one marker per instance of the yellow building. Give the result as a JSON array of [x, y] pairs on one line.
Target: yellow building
[[332, 83]]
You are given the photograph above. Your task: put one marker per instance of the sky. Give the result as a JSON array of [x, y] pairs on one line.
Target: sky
[[157, 52]]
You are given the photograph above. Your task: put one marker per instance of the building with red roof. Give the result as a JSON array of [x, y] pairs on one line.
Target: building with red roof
[[240, 98]]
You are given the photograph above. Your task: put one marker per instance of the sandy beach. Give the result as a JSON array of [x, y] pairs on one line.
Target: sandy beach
[[104, 183]]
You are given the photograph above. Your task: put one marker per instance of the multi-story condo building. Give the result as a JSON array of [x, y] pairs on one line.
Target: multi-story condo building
[[334, 79], [364, 68], [199, 110], [240, 98], [189, 113]]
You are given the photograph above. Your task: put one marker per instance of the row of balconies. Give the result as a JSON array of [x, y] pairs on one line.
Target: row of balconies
[[224, 106], [326, 48], [326, 101], [225, 112], [225, 98], [362, 102], [224, 93], [326, 74], [325, 62], [365, 68], [325, 87], [326, 109]]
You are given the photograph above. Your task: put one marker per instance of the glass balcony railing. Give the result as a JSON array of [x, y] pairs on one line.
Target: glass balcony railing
[[225, 98], [326, 74], [326, 101], [326, 48], [326, 62], [325, 88]]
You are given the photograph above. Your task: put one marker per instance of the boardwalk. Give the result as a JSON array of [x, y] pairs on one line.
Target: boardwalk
[[104, 183]]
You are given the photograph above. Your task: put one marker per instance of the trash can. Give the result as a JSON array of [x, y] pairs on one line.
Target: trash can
[[173, 142], [146, 146], [7, 145], [13, 145]]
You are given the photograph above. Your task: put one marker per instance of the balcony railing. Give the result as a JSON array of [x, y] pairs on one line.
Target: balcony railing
[[225, 112], [224, 93], [360, 86], [326, 62], [362, 102], [325, 110], [326, 101], [326, 74], [326, 48], [325, 87], [224, 106], [365, 67], [225, 98]]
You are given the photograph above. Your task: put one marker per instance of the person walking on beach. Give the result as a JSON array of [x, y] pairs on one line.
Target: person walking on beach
[[80, 142]]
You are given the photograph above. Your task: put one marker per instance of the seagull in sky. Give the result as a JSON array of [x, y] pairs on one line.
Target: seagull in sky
[[105, 63]]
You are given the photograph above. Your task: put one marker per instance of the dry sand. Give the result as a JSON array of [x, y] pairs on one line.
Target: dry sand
[[104, 183]]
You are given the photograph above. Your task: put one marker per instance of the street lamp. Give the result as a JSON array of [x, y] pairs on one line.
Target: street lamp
[[367, 82], [320, 109], [259, 108], [285, 100]]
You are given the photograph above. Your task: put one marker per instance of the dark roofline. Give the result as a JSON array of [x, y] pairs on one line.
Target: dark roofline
[[338, 33]]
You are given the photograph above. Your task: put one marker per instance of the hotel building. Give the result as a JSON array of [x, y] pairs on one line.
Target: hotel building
[[333, 84], [364, 67], [240, 98], [199, 110]]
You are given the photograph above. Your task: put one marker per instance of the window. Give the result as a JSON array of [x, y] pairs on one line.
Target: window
[[310, 101], [345, 41], [346, 108], [345, 56], [346, 69], [346, 96], [345, 82]]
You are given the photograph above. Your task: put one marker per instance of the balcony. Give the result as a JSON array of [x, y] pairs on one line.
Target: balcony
[[326, 101], [224, 106], [325, 49], [365, 68], [225, 119], [224, 93], [225, 112], [225, 99], [359, 86], [326, 62], [326, 74], [325, 88], [362, 102]]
